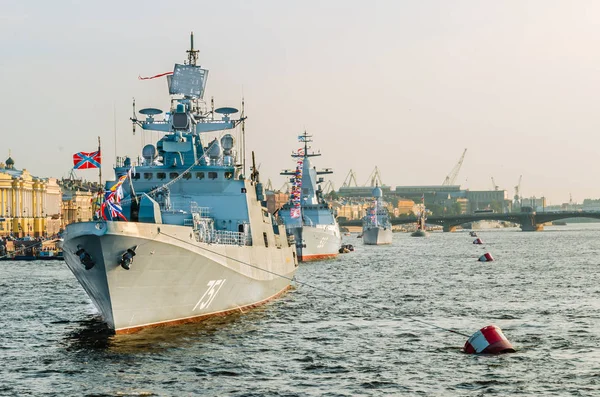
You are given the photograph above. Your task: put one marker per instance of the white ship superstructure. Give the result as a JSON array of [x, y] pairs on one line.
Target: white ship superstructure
[[184, 234]]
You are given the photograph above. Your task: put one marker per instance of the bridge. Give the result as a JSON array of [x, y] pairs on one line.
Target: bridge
[[528, 221]]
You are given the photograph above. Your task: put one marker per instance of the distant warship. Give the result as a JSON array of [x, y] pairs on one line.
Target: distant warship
[[377, 229]]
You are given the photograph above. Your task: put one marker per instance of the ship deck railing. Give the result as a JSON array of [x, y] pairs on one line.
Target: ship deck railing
[[224, 237], [204, 212]]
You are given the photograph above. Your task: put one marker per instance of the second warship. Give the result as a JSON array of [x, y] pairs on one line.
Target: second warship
[[307, 215]]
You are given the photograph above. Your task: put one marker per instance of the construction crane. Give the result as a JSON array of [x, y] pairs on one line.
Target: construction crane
[[494, 186], [351, 177], [374, 178], [451, 177], [517, 198]]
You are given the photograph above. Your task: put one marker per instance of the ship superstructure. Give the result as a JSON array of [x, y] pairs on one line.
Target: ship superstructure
[[377, 228], [182, 234], [307, 215]]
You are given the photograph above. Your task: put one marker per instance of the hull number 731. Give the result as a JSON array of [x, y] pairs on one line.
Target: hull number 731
[[214, 286]]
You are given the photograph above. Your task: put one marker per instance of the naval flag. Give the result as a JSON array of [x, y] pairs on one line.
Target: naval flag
[[84, 160]]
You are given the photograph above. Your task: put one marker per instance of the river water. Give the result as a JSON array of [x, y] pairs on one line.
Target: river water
[[542, 290]]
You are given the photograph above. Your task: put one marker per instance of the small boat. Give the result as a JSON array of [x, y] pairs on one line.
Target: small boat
[[345, 248], [421, 229], [473, 234]]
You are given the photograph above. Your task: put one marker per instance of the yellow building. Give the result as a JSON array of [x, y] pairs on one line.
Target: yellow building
[[350, 211], [405, 206], [29, 206], [77, 207]]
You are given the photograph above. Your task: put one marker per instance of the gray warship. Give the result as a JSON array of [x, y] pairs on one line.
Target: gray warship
[[377, 228], [307, 216], [184, 234]]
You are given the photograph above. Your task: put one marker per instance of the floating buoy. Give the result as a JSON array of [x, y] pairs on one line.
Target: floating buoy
[[488, 340], [478, 241], [487, 257]]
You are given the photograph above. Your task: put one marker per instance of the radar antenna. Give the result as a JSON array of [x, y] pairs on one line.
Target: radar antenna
[[192, 54]]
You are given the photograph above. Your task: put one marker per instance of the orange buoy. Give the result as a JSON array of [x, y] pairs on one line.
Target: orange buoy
[[487, 257], [478, 241], [488, 340]]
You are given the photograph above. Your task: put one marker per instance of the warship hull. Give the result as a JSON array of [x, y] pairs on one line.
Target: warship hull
[[317, 243], [172, 279], [377, 236]]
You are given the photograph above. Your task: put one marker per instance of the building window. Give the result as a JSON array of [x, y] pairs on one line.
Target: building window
[[199, 175], [161, 175], [228, 175], [187, 176], [147, 175], [136, 176], [212, 175], [173, 175], [266, 239]]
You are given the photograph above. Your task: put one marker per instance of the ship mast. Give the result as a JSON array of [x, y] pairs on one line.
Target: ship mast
[[306, 139], [192, 54]]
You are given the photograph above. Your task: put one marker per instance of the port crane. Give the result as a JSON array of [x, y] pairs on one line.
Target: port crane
[[451, 177], [285, 188], [328, 187], [494, 186], [269, 186], [351, 177], [374, 178], [517, 198]]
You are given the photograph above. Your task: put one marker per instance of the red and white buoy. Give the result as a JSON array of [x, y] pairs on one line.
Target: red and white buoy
[[488, 340], [487, 257], [478, 241]]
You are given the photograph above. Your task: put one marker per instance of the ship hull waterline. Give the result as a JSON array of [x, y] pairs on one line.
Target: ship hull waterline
[[377, 236], [314, 243], [172, 279]]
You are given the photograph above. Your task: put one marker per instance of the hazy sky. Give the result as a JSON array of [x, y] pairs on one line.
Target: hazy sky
[[404, 85]]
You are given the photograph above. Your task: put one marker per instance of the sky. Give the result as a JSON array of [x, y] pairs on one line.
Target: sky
[[402, 85]]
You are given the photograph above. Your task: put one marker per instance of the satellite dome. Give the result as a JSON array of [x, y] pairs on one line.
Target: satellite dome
[[377, 192]]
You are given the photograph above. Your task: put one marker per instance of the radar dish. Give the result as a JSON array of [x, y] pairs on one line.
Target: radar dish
[[227, 142], [226, 110], [150, 111], [149, 152]]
